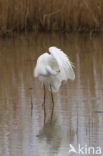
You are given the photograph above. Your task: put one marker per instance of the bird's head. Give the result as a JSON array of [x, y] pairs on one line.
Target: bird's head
[[40, 71], [45, 71]]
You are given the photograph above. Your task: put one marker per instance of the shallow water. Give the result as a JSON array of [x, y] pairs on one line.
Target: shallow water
[[78, 111]]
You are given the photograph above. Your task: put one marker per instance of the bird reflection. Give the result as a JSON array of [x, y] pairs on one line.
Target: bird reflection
[[51, 132]]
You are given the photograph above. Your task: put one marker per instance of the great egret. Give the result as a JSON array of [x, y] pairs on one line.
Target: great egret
[[52, 69]]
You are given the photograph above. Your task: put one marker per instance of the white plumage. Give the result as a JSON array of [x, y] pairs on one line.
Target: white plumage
[[53, 68]]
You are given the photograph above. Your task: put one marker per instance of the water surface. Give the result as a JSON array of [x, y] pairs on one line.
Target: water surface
[[78, 111]]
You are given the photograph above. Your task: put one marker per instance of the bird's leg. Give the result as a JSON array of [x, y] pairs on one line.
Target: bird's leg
[[43, 105], [43, 97], [52, 102]]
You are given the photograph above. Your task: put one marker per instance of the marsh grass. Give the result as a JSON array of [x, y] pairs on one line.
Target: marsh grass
[[51, 15]]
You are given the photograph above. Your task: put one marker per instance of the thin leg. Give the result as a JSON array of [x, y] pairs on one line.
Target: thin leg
[[52, 102], [43, 105], [43, 98]]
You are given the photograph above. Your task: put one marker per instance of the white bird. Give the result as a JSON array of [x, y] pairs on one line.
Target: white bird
[[53, 68]]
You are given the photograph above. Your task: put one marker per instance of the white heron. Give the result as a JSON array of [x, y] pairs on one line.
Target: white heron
[[52, 69]]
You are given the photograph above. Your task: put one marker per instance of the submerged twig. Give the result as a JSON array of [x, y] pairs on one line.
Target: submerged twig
[[31, 105]]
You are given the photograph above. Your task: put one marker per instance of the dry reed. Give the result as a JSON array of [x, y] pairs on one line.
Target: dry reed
[[51, 15]]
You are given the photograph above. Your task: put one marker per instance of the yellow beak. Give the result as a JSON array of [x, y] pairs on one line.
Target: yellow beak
[[58, 70]]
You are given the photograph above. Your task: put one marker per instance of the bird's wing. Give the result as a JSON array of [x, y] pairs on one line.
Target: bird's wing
[[65, 65]]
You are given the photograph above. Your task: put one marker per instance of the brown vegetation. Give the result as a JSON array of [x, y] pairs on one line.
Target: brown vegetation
[[51, 15]]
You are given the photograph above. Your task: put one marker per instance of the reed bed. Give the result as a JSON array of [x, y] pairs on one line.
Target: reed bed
[[51, 15]]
